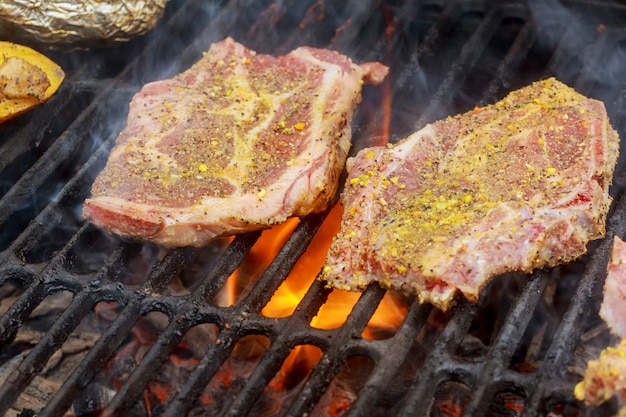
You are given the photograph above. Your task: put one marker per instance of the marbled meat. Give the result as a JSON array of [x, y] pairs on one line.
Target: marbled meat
[[238, 142], [513, 186], [613, 309]]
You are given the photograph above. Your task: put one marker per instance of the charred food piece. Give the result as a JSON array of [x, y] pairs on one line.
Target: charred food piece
[[238, 142], [514, 186]]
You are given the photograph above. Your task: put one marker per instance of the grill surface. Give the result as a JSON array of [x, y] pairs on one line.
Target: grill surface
[[446, 58]]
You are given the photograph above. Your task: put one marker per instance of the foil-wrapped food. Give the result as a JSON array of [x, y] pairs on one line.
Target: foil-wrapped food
[[78, 23]]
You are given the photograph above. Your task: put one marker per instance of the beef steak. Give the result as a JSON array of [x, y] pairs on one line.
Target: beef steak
[[613, 309], [238, 142], [513, 186]]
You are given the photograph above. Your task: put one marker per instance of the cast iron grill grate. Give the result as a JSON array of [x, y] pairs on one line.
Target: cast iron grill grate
[[446, 57]]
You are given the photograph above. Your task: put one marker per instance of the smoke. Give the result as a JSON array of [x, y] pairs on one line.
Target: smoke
[[445, 58]]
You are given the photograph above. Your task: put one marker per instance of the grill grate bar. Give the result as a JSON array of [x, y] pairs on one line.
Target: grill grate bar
[[388, 365], [203, 373], [510, 62], [291, 332], [52, 214], [263, 373], [227, 264], [468, 56], [95, 360], [340, 347], [506, 342], [149, 366], [282, 264], [61, 151], [135, 305], [431, 373], [35, 293], [31, 136], [46, 282], [42, 352], [11, 321], [181, 312], [239, 324]]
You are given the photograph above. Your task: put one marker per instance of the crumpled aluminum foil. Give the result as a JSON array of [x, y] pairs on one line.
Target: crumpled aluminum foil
[[85, 22]]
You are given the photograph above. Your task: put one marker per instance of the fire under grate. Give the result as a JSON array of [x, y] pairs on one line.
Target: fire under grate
[[92, 325]]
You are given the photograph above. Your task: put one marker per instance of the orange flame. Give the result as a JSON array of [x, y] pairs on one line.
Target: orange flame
[[332, 314], [256, 260], [386, 86], [339, 303]]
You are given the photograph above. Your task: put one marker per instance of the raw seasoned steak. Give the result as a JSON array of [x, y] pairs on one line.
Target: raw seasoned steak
[[513, 186], [613, 309], [238, 142]]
